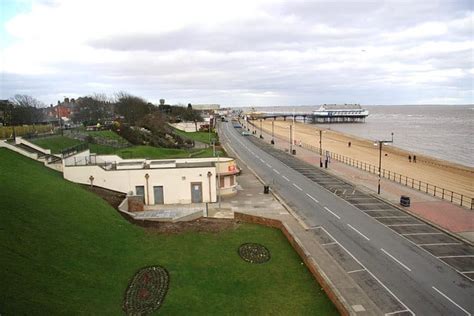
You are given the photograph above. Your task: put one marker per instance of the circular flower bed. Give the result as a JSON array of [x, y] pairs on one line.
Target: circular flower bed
[[146, 291], [254, 253]]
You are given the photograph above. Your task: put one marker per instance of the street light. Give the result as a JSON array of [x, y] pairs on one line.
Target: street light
[[291, 142], [273, 133], [380, 143], [321, 148], [261, 128]]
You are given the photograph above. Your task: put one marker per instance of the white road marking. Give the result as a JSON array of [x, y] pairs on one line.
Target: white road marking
[[405, 225], [329, 243], [312, 198], [402, 216], [368, 271], [338, 217], [276, 171], [262, 160], [354, 271], [398, 261], [460, 256], [397, 312], [268, 165], [414, 234], [446, 297], [367, 238], [285, 178], [296, 186], [441, 244]]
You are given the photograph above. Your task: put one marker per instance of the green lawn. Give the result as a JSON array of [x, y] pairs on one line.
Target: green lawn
[[64, 250], [202, 137], [108, 134], [58, 143]]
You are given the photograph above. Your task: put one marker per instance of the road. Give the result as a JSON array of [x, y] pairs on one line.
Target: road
[[421, 283]]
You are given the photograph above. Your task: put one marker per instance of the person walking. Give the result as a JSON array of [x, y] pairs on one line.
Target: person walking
[[414, 158], [349, 144], [409, 158]]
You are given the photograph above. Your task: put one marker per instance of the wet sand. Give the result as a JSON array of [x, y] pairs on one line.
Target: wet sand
[[444, 174]]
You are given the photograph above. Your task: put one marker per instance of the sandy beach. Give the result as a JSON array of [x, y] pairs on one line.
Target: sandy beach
[[444, 174]]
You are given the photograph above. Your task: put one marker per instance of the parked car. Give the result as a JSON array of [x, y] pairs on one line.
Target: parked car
[[245, 133]]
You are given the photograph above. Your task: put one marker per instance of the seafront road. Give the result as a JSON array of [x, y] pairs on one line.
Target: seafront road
[[421, 283]]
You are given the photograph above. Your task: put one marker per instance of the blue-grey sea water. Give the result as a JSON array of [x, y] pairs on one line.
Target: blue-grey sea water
[[440, 131]]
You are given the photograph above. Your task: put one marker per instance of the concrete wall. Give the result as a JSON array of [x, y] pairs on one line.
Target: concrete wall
[[18, 150], [187, 126], [21, 140], [176, 182]]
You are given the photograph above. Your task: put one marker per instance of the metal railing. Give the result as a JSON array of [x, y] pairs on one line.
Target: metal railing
[[74, 149], [428, 188]]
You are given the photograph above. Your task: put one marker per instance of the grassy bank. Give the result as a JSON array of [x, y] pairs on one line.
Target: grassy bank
[[63, 250], [202, 137], [59, 143]]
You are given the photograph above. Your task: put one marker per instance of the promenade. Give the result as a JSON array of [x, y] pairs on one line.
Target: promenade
[[443, 214]]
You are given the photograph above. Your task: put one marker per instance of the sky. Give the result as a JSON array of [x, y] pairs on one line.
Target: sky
[[240, 53]]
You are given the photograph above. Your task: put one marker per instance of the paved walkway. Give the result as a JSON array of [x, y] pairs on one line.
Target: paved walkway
[[450, 217]]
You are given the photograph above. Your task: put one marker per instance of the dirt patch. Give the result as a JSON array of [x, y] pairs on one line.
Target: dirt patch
[[114, 198], [208, 225]]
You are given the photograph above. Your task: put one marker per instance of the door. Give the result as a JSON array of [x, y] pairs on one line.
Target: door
[[196, 192], [140, 190], [158, 194]]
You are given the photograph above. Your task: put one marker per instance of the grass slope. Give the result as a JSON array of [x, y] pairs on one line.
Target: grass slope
[[64, 250], [202, 137], [58, 143]]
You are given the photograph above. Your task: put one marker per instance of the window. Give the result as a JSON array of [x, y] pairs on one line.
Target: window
[[222, 181]]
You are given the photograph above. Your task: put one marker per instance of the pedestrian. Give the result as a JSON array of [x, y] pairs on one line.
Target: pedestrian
[[300, 143], [409, 158], [414, 158], [349, 144]]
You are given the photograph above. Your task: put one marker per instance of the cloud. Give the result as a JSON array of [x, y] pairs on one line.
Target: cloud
[[243, 52]]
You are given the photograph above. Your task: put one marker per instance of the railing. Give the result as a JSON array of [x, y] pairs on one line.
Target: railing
[[74, 149], [428, 188]]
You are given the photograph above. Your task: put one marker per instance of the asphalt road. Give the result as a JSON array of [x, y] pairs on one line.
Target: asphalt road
[[420, 282]]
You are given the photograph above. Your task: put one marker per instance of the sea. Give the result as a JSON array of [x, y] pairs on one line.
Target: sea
[[440, 131]]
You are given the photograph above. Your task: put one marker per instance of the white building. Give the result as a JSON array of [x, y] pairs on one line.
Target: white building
[[165, 181]]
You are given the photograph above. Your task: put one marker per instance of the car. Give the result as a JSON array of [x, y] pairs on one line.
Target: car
[[245, 133]]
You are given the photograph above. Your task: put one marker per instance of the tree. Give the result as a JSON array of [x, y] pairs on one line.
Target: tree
[[25, 110], [131, 107], [91, 109]]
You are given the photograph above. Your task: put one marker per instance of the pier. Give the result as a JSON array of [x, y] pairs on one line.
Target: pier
[[327, 113]]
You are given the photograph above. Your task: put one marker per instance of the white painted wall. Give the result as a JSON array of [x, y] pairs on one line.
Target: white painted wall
[[21, 140], [4, 144], [188, 126], [176, 182]]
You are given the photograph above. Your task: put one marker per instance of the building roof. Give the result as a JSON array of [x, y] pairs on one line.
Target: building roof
[[340, 107]]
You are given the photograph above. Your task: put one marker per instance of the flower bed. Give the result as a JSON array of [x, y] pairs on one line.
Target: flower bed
[[254, 253], [146, 291]]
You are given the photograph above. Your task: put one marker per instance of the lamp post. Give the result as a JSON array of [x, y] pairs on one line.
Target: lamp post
[[291, 142], [321, 148], [273, 132], [392, 137], [218, 179], [380, 143], [261, 128], [147, 176]]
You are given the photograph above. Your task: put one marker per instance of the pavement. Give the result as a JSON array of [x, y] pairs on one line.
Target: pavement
[[403, 264], [443, 214]]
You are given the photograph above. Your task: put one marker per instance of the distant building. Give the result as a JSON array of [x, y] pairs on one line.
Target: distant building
[[206, 107]]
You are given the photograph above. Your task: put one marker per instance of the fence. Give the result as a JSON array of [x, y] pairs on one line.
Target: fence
[[7, 131], [98, 140], [431, 189]]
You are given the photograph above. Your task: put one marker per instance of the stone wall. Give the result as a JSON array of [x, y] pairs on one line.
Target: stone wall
[[135, 203]]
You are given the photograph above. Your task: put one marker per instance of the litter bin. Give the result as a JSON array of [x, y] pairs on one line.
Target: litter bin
[[294, 152], [266, 189], [405, 201]]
